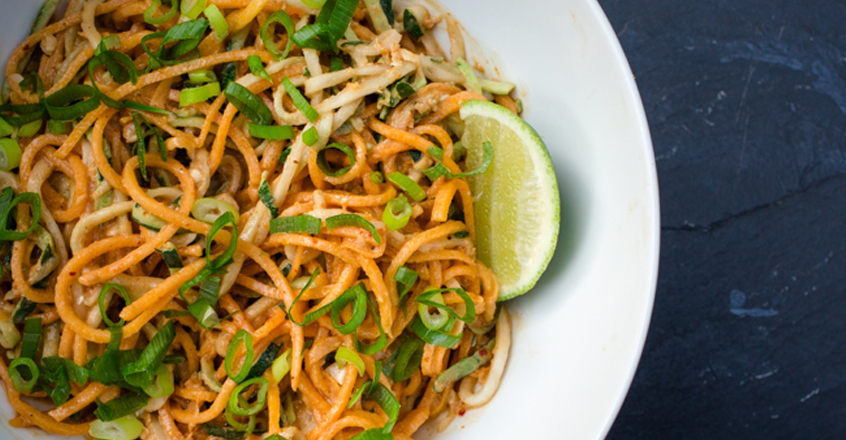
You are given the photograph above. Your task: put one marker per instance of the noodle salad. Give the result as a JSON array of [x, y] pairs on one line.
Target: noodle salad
[[242, 219]]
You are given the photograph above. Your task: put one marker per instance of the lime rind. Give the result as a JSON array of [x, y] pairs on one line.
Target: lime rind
[[546, 215]]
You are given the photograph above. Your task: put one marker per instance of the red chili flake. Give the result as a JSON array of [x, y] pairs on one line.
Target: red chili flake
[[72, 273], [462, 412], [483, 352]]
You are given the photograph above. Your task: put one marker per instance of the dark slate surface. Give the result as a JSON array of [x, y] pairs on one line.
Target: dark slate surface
[[746, 101]]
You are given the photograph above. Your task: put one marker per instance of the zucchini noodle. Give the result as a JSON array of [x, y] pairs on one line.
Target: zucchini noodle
[[169, 268]]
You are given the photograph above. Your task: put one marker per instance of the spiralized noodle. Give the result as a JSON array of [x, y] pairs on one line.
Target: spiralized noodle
[[167, 232]]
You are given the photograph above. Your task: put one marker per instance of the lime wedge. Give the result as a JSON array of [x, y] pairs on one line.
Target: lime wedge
[[516, 201]]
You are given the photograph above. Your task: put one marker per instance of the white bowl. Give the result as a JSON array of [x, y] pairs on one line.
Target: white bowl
[[579, 334]]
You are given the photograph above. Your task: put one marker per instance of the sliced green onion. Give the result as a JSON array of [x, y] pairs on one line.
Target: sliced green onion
[[432, 321], [162, 386], [323, 164], [31, 337], [154, 6], [344, 355], [464, 367], [434, 337], [204, 313], [285, 20], [10, 154], [202, 76], [266, 198], [264, 361], [248, 103], [29, 129], [209, 209], [57, 127], [144, 108], [411, 25], [119, 65], [381, 342], [440, 170], [257, 67], [33, 81], [281, 366], [236, 400], [314, 4], [388, 402], [186, 36], [405, 360], [270, 132], [356, 295], [310, 316], [377, 177], [124, 428], [406, 278], [297, 224], [329, 27], [102, 302], [198, 94], [217, 21], [7, 203], [355, 220], [397, 213], [246, 428], [6, 128], [310, 137], [18, 382], [71, 102], [430, 298], [471, 81], [26, 112], [226, 257], [142, 372], [120, 407], [192, 9], [336, 64], [299, 100], [242, 337], [372, 434]]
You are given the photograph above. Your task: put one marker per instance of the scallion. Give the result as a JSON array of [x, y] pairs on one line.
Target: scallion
[[299, 100], [7, 203], [344, 355], [248, 103], [154, 6], [217, 21], [29, 129], [434, 337], [242, 337], [101, 301], [356, 295], [441, 170], [162, 386], [406, 278], [397, 213], [57, 127], [71, 102], [257, 67], [310, 137], [381, 342], [405, 359], [10, 154], [18, 382], [436, 320], [266, 198], [323, 164], [429, 298], [285, 20], [124, 428], [193, 8], [202, 76], [120, 407], [6, 128], [142, 372], [236, 400], [270, 132], [198, 94]]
